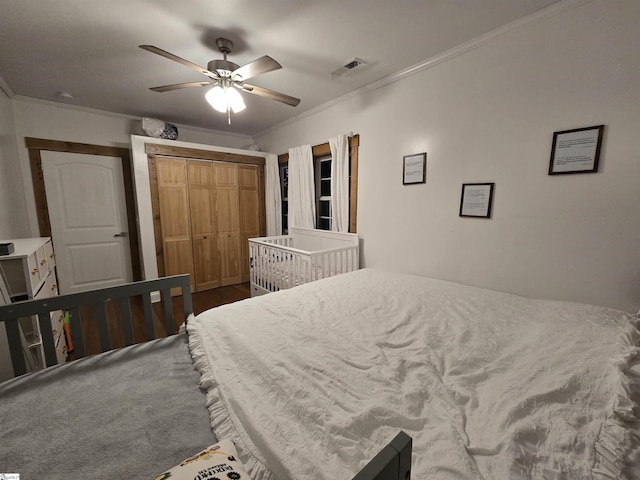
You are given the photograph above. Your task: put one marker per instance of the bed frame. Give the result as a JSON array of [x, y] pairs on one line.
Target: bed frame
[[392, 463], [302, 256], [11, 314]]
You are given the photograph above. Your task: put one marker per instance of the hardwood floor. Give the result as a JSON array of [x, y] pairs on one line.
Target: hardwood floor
[[201, 301], [205, 300]]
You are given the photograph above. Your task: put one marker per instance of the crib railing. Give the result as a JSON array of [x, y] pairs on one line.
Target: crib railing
[[276, 265], [123, 294]]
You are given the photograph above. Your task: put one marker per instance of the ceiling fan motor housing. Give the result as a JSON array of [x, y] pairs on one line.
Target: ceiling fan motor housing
[[222, 67]]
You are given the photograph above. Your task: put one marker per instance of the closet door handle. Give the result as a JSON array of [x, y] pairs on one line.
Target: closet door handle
[[121, 234]]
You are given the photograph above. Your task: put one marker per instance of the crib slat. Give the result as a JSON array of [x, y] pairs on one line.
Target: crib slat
[[167, 306], [295, 270], [103, 326], [148, 316], [127, 323], [187, 304], [46, 336], [75, 325], [15, 347], [298, 277], [286, 282]]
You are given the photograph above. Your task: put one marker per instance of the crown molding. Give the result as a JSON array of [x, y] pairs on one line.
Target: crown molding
[[4, 87], [106, 113]]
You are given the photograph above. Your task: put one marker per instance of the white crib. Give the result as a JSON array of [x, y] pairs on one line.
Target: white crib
[[302, 256]]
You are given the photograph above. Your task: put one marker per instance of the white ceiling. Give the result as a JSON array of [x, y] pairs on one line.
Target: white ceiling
[[89, 48]]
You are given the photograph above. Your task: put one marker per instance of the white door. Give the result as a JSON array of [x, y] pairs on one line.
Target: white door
[[85, 197]]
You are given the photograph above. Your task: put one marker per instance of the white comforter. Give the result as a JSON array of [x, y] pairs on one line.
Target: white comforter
[[313, 381]]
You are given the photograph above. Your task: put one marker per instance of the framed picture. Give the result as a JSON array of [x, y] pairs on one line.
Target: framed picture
[[576, 151], [414, 169], [476, 200]]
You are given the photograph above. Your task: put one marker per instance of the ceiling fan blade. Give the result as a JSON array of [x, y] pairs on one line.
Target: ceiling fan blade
[[262, 65], [175, 58], [264, 92], [177, 86]]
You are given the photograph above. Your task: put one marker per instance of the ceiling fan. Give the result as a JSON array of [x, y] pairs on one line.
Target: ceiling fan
[[227, 78]]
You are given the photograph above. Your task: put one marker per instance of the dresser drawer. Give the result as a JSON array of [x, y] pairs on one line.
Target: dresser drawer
[[50, 287], [33, 273], [42, 263], [51, 257]]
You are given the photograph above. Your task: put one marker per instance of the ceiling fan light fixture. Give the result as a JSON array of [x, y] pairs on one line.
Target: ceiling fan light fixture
[[225, 98], [234, 100], [217, 99]]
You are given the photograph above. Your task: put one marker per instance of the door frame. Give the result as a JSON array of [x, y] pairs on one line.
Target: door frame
[[36, 145], [155, 151]]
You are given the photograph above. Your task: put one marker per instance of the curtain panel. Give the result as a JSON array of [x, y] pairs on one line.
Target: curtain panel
[[302, 191], [273, 199], [339, 183]]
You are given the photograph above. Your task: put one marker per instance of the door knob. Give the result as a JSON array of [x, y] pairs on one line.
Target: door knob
[[121, 234]]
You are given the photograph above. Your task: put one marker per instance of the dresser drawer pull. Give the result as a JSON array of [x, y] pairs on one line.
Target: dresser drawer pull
[[43, 262], [53, 287], [55, 333], [34, 271]]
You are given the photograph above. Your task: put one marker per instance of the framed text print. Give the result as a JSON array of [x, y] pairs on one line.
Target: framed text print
[[576, 151], [414, 169], [476, 200]]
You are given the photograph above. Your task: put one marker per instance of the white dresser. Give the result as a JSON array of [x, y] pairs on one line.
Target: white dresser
[[29, 272]]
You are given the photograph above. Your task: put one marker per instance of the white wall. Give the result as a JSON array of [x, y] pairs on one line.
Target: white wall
[[487, 113], [55, 121], [13, 212]]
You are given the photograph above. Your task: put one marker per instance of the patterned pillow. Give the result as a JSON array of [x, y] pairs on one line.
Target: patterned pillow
[[217, 462]]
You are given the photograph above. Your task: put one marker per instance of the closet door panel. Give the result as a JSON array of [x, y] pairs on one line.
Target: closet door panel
[[174, 206], [173, 200], [248, 177], [206, 263], [201, 201], [203, 231], [227, 219], [228, 222], [177, 258], [226, 175], [229, 248], [249, 211]]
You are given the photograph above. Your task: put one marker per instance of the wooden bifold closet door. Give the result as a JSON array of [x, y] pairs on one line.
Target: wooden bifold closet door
[[204, 213], [228, 219], [202, 208]]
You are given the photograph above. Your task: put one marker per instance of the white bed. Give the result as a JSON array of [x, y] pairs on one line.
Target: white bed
[[313, 381], [302, 256], [309, 382]]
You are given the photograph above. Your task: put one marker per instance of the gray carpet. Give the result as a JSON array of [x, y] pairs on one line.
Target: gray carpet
[[128, 414]]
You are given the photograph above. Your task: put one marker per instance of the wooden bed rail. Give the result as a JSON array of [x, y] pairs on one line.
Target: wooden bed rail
[[12, 313]]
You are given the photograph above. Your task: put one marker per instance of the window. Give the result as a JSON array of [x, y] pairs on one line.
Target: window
[[284, 193], [323, 192], [322, 176]]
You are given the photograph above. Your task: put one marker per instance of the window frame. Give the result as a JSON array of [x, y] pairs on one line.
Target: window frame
[[321, 151], [318, 178]]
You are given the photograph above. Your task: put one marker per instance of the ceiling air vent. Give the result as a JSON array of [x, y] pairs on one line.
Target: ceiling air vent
[[348, 66]]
